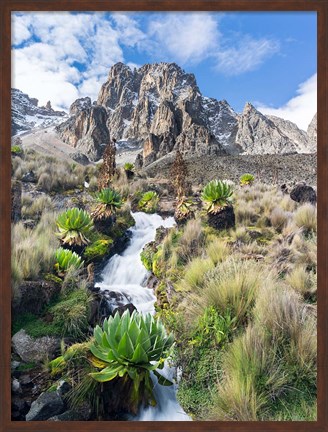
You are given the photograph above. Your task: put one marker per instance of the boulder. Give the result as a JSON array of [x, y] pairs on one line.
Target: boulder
[[121, 309], [34, 350], [33, 296], [47, 405], [303, 193], [80, 158]]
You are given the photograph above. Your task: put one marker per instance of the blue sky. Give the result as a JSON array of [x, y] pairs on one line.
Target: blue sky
[[268, 59]]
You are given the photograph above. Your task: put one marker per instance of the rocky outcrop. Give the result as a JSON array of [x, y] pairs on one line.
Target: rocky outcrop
[[258, 134], [160, 107], [86, 128], [293, 133], [312, 134], [34, 350], [26, 114], [47, 405]]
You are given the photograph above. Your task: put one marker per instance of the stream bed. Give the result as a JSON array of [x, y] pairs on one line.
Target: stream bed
[[125, 274]]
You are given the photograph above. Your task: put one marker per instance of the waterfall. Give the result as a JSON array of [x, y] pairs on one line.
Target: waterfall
[[126, 274]]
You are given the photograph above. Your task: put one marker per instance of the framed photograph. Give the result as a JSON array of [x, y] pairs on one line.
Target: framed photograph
[[163, 215]]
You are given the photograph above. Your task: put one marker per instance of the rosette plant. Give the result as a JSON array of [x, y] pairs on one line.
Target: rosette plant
[[184, 210], [128, 348], [66, 259], [74, 226], [217, 199], [148, 202], [246, 179], [108, 202]]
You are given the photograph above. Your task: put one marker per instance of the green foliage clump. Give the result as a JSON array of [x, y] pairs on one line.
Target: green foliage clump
[[109, 201], [16, 150], [66, 259], [130, 346], [70, 315], [128, 166], [216, 195], [74, 225], [246, 179], [146, 256], [98, 249], [148, 202]]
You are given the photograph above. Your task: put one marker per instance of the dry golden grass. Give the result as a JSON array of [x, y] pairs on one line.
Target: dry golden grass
[[305, 217]]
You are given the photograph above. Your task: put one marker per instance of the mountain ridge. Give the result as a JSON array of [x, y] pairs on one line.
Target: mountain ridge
[[159, 108]]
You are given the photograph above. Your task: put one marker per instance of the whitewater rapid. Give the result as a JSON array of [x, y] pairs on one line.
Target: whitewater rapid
[[126, 274]]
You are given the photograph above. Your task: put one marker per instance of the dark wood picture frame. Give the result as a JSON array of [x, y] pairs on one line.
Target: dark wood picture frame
[[9, 6]]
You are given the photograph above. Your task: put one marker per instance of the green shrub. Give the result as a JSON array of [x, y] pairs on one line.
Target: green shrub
[[246, 179], [74, 226], [148, 202], [98, 249], [66, 259], [131, 346], [216, 195]]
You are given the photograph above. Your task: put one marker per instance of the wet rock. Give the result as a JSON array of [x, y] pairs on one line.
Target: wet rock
[[121, 309], [303, 193], [47, 405], [152, 281], [223, 220], [34, 350]]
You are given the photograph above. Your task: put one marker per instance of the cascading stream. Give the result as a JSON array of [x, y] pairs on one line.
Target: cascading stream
[[125, 274]]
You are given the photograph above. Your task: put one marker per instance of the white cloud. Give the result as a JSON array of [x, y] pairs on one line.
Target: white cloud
[[62, 56], [301, 108], [244, 55], [185, 38], [46, 68]]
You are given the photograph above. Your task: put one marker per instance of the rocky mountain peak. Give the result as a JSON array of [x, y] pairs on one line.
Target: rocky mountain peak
[[26, 113], [312, 134], [160, 108]]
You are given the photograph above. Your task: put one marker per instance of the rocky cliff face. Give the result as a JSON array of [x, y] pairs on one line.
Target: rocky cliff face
[[312, 134], [27, 115], [159, 107], [86, 128], [260, 134]]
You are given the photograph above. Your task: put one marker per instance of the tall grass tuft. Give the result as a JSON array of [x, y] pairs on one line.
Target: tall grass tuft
[[33, 251], [305, 217]]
